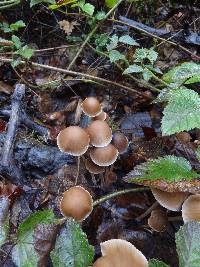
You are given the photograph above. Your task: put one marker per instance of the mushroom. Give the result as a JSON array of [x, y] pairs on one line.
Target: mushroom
[[104, 156], [102, 116], [73, 140], [93, 168], [120, 141], [100, 133], [191, 208], [76, 203], [170, 200], [158, 220], [91, 106], [120, 253]]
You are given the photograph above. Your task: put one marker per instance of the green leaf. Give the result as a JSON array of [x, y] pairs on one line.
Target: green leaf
[[147, 75], [143, 53], [72, 248], [25, 52], [113, 42], [133, 69], [188, 245], [36, 2], [5, 27], [4, 219], [16, 41], [111, 3], [64, 3], [168, 168], [157, 263], [126, 39], [17, 25], [115, 55], [101, 40], [182, 112], [23, 253], [188, 72], [100, 15], [87, 8]]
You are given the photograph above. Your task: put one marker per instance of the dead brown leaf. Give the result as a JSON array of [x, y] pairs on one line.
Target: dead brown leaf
[[67, 26], [5, 88]]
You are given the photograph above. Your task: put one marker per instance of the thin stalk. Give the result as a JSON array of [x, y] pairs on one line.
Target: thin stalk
[[92, 33], [118, 193]]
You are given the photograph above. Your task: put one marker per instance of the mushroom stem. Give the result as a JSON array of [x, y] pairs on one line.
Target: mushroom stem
[[148, 211], [78, 169], [118, 193]]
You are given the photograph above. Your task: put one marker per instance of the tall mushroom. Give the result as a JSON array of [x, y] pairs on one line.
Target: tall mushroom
[[191, 208], [120, 253], [120, 141]]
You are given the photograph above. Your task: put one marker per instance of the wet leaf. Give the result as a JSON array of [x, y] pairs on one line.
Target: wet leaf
[[126, 39], [72, 248], [187, 242], [4, 219], [157, 263], [23, 253]]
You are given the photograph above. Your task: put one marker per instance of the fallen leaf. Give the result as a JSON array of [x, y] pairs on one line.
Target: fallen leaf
[[67, 26], [6, 88]]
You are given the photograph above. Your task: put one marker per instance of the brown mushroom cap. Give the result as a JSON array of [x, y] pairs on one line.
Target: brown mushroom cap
[[76, 203], [102, 116], [191, 208], [73, 140], [91, 106], [120, 253], [100, 133], [120, 141], [169, 200], [104, 156], [158, 220], [93, 168]]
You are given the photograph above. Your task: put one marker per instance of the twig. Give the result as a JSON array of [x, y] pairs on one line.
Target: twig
[[92, 33], [118, 193], [74, 73], [7, 164]]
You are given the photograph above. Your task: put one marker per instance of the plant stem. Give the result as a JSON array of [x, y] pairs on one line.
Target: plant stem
[[118, 193], [92, 33]]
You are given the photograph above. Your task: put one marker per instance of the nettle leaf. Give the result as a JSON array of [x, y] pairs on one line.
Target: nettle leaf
[[100, 15], [182, 112], [126, 39], [187, 73], [23, 253], [101, 40], [188, 245], [4, 219], [72, 248], [168, 168], [147, 75], [111, 3], [25, 52], [144, 53], [16, 41], [88, 8], [133, 69], [113, 42], [115, 55], [17, 25], [157, 263]]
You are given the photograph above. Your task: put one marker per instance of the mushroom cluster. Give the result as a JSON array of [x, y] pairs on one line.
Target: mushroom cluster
[[104, 147]]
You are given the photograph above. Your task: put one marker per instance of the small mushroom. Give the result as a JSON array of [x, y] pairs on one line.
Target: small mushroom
[[76, 203], [93, 168], [100, 133], [191, 209], [104, 156], [73, 140], [120, 141], [158, 220], [170, 200], [120, 253], [91, 106], [102, 116]]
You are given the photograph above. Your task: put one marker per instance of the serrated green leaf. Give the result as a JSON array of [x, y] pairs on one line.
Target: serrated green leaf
[[113, 42], [147, 75], [23, 253], [188, 245], [101, 40], [25, 52], [157, 263], [88, 8], [111, 3], [17, 25], [36, 2], [72, 248], [133, 69], [168, 168], [144, 53], [100, 15], [4, 219], [115, 55], [16, 41], [126, 39], [182, 112], [188, 72]]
